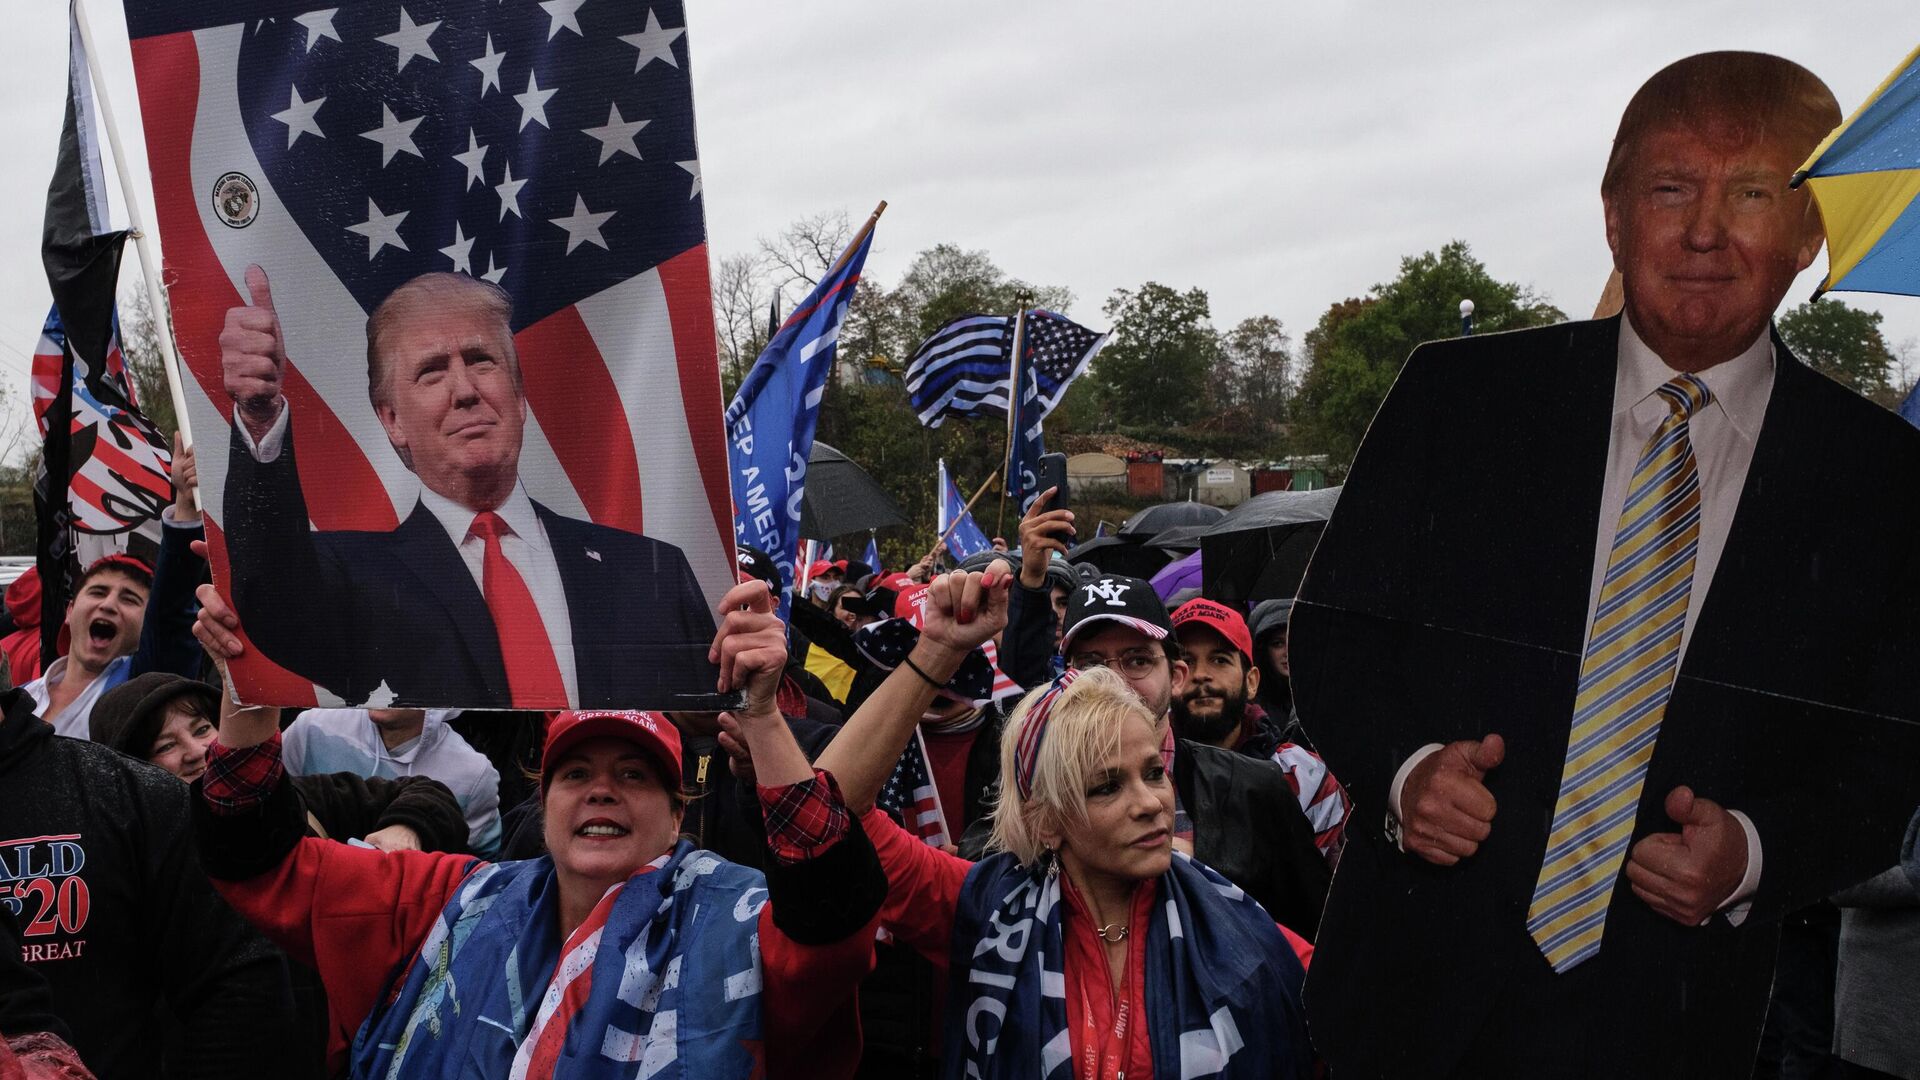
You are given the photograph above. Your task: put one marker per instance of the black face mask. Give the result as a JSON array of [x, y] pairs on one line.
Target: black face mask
[[1210, 729]]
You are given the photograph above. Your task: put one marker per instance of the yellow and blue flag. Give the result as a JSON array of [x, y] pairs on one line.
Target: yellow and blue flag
[[1865, 177]]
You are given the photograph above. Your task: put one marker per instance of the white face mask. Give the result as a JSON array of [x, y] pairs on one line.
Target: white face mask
[[820, 590]]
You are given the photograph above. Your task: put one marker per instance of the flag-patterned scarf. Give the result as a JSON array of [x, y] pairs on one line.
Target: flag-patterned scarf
[[1222, 984], [662, 978]]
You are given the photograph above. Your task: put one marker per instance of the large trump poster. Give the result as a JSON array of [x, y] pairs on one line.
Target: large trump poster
[[438, 272]]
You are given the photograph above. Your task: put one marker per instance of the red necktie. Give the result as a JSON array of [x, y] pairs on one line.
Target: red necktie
[[533, 677]]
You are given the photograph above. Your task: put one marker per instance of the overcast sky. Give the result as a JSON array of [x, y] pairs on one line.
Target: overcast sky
[[1281, 156]]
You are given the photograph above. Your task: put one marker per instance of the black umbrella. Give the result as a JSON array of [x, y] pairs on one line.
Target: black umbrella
[[1180, 539], [841, 498], [1155, 520], [1260, 550], [1120, 555]]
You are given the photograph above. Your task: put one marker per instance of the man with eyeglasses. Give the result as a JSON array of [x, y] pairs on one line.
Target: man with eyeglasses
[[1235, 813]]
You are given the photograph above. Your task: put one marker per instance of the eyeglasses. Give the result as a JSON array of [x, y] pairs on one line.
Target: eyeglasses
[[1133, 665]]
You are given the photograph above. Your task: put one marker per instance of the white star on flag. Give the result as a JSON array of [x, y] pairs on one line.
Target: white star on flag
[[460, 251], [394, 135], [583, 226], [694, 168], [509, 191], [410, 40], [617, 136], [654, 43], [562, 15], [380, 229], [319, 25], [494, 273], [533, 103], [489, 64], [471, 158], [299, 116]]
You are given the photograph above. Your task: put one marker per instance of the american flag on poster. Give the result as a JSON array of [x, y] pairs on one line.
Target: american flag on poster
[[546, 147], [122, 466], [910, 795]]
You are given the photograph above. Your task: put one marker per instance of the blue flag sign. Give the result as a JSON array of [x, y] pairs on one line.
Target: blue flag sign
[[964, 538], [771, 422]]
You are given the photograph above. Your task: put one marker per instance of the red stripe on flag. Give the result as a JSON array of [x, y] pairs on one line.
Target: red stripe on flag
[[258, 678], [574, 397], [343, 491], [167, 70], [690, 308]]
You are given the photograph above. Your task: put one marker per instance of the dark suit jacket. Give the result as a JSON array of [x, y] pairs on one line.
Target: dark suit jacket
[[1447, 600], [350, 610]]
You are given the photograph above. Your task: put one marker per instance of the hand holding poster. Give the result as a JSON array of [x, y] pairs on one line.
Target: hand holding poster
[[455, 342]]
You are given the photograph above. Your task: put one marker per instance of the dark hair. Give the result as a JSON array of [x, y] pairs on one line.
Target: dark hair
[[1748, 95], [841, 591]]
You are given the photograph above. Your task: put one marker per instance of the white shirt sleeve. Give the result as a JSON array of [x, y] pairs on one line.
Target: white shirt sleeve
[[1400, 782], [1737, 906], [268, 448]]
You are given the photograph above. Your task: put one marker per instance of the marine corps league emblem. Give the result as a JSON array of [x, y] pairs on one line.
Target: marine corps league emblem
[[236, 200]]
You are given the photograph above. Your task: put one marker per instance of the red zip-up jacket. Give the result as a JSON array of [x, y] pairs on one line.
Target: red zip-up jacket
[[923, 896]]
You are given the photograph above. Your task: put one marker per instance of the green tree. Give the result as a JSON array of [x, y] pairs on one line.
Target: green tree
[[1843, 343], [1258, 373], [1157, 366], [1355, 352]]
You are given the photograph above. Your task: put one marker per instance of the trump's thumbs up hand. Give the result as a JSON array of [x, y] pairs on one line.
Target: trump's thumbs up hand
[[252, 354], [1689, 875], [1447, 811]]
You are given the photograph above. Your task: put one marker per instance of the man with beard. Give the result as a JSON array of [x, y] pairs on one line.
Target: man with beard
[[1215, 707]]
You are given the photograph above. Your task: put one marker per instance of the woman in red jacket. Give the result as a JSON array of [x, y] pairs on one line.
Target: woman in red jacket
[[1086, 947], [625, 949]]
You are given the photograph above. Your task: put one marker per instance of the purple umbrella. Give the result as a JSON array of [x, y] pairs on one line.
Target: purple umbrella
[[1179, 576]]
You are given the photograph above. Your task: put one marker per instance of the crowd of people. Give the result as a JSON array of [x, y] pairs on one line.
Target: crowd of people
[[1015, 817]]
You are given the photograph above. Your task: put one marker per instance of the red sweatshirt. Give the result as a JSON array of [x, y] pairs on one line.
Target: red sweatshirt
[[1108, 1030], [358, 916]]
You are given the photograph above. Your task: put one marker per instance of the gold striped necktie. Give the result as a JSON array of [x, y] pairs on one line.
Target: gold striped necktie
[[1626, 678]]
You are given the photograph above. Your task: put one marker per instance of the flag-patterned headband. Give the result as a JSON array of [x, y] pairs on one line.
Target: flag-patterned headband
[[1027, 751]]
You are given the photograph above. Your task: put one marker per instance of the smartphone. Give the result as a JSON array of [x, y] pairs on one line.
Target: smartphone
[[1053, 474]]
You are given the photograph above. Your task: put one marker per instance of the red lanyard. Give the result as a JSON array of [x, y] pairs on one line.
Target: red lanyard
[[1098, 1063]]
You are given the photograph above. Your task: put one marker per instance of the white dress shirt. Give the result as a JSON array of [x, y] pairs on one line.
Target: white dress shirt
[[525, 545], [1723, 436]]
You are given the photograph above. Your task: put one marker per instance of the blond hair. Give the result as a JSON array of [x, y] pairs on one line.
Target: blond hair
[[1082, 734], [1748, 96]]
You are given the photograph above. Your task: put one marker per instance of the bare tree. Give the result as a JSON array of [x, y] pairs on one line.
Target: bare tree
[[741, 292], [146, 366], [804, 251]]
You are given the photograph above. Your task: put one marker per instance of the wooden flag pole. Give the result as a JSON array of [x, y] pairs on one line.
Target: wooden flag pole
[[964, 511], [872, 220], [136, 229]]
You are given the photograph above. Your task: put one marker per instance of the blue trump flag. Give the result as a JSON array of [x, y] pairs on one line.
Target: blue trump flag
[[872, 556], [1910, 408], [771, 421], [965, 538]]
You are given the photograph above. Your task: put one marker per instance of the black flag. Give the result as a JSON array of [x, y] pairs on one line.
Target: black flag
[[82, 257]]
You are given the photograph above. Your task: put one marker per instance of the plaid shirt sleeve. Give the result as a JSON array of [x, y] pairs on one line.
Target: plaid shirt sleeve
[[238, 781], [804, 819]]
